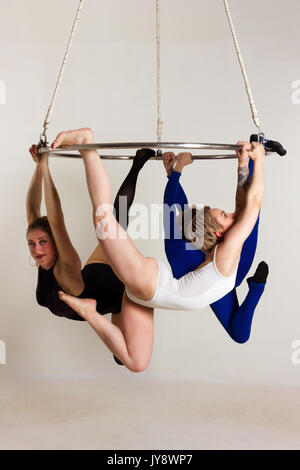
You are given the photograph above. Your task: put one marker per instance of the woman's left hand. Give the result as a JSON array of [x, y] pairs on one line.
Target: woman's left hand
[[169, 159], [37, 157]]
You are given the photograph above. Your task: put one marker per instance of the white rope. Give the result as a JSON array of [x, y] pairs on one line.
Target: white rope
[[254, 112], [159, 121], [60, 76]]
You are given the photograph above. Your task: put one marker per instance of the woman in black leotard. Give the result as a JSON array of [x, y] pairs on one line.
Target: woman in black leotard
[[59, 265]]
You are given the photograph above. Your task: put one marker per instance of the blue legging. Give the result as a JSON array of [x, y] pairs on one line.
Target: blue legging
[[182, 257]]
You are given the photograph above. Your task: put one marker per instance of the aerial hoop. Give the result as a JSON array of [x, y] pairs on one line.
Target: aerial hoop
[[64, 150], [270, 146]]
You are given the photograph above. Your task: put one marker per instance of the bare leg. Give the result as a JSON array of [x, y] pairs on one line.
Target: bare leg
[[121, 208], [132, 343], [138, 273]]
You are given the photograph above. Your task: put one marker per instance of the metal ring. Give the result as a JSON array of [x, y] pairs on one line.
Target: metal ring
[[159, 145], [131, 157], [63, 151]]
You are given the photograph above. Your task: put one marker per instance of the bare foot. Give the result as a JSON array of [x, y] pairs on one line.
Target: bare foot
[[83, 307], [75, 137]]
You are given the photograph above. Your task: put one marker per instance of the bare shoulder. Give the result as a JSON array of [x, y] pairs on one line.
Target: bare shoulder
[[226, 258]]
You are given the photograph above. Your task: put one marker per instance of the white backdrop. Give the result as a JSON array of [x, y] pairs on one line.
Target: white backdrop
[[110, 85]]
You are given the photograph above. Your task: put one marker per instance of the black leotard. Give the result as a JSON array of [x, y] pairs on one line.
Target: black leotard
[[100, 281], [101, 284]]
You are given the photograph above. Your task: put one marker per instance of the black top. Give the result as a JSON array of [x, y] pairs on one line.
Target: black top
[[100, 282]]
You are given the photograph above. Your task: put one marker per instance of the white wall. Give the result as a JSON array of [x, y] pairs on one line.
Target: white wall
[[109, 85]]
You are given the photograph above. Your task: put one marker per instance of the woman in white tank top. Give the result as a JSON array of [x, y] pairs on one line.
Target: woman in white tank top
[[149, 282], [193, 291]]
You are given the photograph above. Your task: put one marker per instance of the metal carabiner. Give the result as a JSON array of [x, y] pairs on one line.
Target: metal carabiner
[[260, 137], [43, 139]]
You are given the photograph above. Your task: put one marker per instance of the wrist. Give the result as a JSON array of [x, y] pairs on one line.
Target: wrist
[[243, 161], [43, 164], [178, 167], [89, 154], [258, 161]]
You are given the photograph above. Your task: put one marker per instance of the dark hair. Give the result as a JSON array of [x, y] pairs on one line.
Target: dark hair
[[43, 224]]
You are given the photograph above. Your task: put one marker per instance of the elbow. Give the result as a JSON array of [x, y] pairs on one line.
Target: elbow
[[55, 219], [33, 209], [256, 199], [260, 198], [33, 213]]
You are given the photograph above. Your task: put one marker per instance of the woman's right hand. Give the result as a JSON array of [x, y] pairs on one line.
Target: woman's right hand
[[258, 152], [182, 160], [243, 153], [37, 157]]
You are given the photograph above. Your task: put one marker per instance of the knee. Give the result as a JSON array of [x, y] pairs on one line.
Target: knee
[[139, 365]]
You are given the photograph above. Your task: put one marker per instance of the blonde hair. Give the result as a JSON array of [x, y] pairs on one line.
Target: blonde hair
[[201, 229]]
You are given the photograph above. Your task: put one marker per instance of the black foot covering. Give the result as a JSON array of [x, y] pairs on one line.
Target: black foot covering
[[260, 275], [142, 156], [128, 186], [117, 361], [272, 144]]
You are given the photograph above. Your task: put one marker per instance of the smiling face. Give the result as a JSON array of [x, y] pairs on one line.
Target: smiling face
[[42, 248], [226, 219]]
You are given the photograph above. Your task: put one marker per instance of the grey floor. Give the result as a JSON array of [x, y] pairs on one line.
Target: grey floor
[[137, 412]]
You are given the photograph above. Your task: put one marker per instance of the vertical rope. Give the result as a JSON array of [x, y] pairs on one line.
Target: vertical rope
[[254, 111], [159, 121], [61, 72]]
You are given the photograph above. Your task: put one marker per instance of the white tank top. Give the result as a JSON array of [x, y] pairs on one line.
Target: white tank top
[[195, 290]]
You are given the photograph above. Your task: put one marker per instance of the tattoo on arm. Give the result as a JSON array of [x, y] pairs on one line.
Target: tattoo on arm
[[243, 178]]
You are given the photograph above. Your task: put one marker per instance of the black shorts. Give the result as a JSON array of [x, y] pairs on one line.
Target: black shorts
[[102, 284]]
